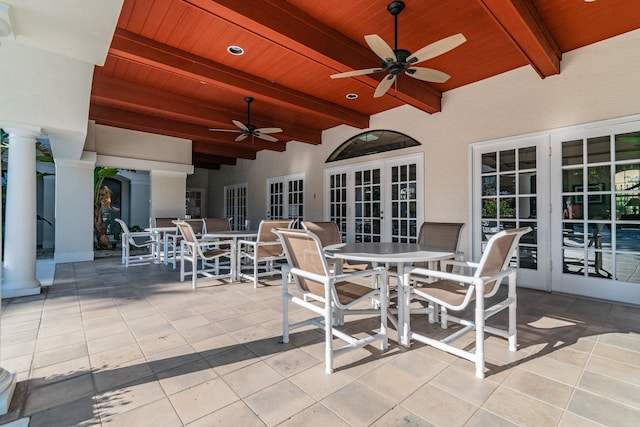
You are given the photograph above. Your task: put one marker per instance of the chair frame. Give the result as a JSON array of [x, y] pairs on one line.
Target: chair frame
[[476, 287], [127, 239], [207, 252], [252, 250], [327, 306]]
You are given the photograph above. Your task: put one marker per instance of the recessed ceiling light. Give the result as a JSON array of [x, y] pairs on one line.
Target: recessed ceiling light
[[235, 50], [352, 96]]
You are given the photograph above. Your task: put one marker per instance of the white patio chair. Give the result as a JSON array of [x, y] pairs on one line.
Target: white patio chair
[[216, 224], [203, 253], [137, 240], [323, 292], [261, 254], [329, 234], [456, 292]]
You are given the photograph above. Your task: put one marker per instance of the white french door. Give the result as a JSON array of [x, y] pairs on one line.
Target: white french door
[[596, 215], [235, 205], [508, 191], [376, 201], [285, 197], [579, 189]]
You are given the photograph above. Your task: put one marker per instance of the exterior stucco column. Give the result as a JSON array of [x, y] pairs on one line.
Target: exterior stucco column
[[19, 267]]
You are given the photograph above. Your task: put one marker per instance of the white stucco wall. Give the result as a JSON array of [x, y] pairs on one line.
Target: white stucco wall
[[597, 82]]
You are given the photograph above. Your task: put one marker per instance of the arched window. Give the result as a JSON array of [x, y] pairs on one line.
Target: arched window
[[371, 142]]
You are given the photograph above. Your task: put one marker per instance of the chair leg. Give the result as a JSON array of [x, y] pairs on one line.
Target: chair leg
[[479, 320], [328, 332], [285, 308], [194, 271], [255, 273]]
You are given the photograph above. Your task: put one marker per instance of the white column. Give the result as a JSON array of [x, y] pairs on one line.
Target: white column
[[19, 267], [74, 209], [48, 211]]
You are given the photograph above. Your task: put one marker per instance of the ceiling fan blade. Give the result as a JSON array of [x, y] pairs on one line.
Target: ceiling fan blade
[[241, 125], [436, 48], [384, 85], [266, 137], [242, 137], [356, 73], [268, 130], [226, 130], [380, 47], [428, 74]]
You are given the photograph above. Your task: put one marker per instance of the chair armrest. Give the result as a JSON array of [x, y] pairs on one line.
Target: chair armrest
[[140, 234], [437, 274]]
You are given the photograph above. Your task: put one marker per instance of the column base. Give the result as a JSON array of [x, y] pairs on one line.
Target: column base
[[7, 387], [20, 289]]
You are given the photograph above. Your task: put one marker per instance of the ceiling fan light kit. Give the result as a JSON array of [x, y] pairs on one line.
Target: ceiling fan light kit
[[400, 61], [248, 129]]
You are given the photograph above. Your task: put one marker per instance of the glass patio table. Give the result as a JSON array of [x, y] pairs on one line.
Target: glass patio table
[[387, 253]]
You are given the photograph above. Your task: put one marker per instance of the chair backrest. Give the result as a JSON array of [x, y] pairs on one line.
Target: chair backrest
[[266, 235], [327, 231], [187, 232], [497, 255], [197, 225], [163, 222], [444, 235], [217, 224], [123, 226], [303, 250]]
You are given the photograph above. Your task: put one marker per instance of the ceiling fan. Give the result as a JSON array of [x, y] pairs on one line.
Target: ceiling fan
[[246, 130], [398, 61]]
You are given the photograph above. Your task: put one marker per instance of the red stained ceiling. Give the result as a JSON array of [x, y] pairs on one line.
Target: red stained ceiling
[[168, 70]]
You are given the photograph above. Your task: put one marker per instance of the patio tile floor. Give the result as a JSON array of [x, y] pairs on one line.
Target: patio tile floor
[[109, 345]]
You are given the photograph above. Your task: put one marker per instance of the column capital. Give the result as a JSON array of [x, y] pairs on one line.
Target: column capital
[[18, 131]]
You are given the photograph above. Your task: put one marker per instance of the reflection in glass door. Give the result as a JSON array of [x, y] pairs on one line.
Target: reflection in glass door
[[600, 218]]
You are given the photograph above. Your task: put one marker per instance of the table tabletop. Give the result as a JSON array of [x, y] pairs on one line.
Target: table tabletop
[[387, 252], [231, 233]]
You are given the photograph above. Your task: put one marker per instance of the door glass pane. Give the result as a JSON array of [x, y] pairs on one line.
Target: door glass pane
[[507, 160], [598, 149], [628, 146], [572, 180], [572, 152]]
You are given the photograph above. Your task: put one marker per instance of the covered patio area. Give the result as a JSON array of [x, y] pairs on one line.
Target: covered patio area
[[109, 345]]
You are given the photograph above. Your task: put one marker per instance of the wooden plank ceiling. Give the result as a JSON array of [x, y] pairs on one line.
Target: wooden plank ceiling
[[168, 70]]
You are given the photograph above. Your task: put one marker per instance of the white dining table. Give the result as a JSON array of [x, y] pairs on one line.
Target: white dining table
[[400, 254], [233, 235], [161, 235]]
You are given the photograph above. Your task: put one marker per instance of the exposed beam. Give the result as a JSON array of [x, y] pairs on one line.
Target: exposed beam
[[213, 159], [132, 47], [144, 123], [146, 100], [520, 20], [222, 151], [282, 23]]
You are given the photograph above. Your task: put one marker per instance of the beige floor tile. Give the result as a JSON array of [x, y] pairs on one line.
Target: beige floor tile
[[620, 371], [107, 378], [315, 416], [60, 354], [253, 378], [602, 410], [157, 414], [463, 384], [203, 399], [291, 362], [58, 393], [392, 381], [81, 412], [521, 409], [187, 375], [237, 413], [553, 369], [439, 407], [611, 388], [572, 420], [399, 416], [358, 404], [128, 397], [116, 356], [269, 404], [482, 418], [66, 369], [539, 387], [616, 353], [317, 384]]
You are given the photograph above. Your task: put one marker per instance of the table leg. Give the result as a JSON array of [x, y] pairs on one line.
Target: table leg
[[404, 312]]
